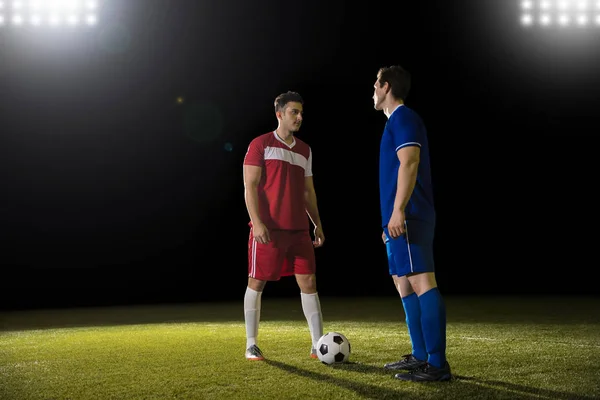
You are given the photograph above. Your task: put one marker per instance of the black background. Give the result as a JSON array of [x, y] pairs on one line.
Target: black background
[[113, 192]]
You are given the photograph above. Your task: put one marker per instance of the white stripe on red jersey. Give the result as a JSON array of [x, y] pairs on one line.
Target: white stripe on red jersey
[[281, 189]]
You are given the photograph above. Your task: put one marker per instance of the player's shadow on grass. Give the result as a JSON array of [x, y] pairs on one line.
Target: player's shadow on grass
[[471, 387], [520, 391], [360, 367], [363, 389]]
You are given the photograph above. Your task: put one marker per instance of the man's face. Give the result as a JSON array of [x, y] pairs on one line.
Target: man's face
[[291, 116], [379, 95]]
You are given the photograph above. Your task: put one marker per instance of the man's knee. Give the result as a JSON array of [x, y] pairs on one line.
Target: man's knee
[[256, 284], [422, 282], [307, 283]]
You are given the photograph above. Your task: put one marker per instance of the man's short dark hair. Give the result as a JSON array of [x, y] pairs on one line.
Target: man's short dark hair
[[284, 98], [398, 78]]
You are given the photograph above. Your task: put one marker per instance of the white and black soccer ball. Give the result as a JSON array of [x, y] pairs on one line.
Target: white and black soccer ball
[[333, 348]]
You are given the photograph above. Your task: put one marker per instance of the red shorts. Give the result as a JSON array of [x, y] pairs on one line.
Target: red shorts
[[288, 253]]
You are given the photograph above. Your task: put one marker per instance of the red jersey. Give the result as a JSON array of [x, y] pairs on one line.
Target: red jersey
[[281, 188]]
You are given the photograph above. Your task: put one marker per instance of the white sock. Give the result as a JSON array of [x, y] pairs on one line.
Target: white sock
[[312, 311], [251, 315]]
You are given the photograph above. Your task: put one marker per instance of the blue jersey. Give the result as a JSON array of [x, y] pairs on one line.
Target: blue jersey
[[405, 128]]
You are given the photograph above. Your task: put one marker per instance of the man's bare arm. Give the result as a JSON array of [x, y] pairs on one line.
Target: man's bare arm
[[252, 175], [310, 200], [409, 157], [407, 177]]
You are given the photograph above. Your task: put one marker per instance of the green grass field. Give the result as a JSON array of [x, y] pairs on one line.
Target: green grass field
[[498, 347]]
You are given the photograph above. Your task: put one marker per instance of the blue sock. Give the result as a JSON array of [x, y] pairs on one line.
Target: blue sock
[[412, 309], [433, 323]]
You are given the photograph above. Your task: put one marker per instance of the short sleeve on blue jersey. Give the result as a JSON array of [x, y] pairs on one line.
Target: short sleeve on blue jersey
[[404, 128]]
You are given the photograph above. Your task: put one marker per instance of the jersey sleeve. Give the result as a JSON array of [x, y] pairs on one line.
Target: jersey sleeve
[[405, 131], [255, 155]]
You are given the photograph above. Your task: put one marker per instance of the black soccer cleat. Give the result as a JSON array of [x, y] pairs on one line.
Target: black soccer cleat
[[407, 362], [427, 373]]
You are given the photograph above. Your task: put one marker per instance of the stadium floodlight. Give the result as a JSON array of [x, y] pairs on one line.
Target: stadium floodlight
[[563, 19], [562, 13], [582, 20], [527, 19], [545, 19], [54, 13]]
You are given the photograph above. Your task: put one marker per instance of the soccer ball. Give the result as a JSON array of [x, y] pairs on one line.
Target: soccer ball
[[333, 348]]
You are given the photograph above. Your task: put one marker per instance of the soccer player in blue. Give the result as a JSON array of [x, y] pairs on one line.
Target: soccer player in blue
[[408, 221]]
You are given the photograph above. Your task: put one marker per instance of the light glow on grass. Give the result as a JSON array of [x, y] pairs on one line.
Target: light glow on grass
[[196, 351]]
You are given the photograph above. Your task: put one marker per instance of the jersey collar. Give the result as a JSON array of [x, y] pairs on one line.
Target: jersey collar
[[397, 107], [282, 141]]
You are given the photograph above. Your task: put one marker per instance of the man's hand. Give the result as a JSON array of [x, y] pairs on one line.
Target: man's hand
[[396, 226], [319, 237], [260, 233]]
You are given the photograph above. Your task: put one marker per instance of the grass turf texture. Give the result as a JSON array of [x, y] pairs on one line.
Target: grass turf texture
[[498, 347]]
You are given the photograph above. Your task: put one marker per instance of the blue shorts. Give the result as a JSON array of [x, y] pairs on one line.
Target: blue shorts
[[413, 251]]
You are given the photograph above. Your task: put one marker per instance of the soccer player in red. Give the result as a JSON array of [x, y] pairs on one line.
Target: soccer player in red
[[280, 199]]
